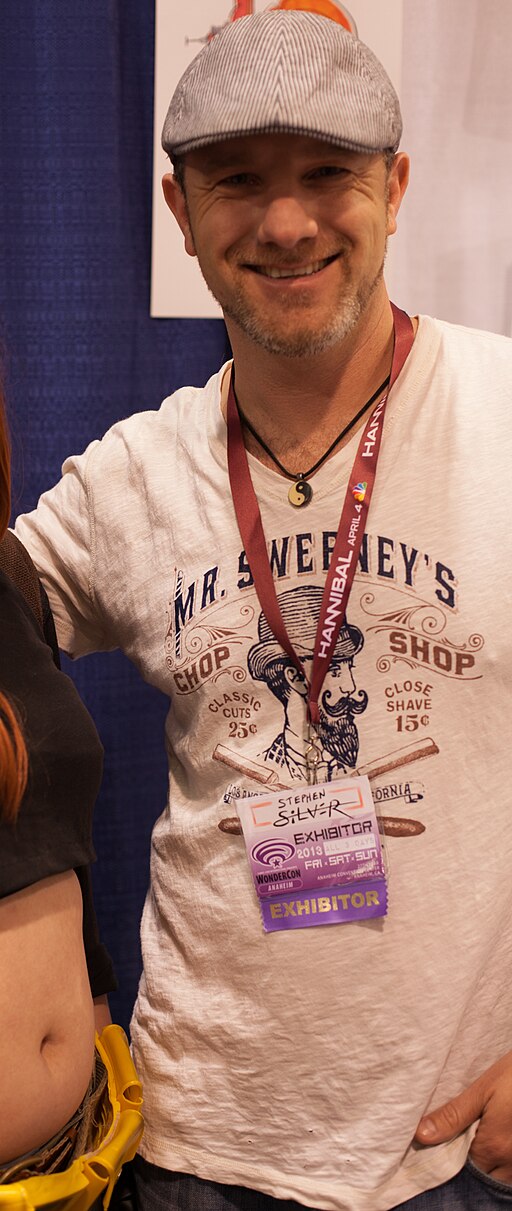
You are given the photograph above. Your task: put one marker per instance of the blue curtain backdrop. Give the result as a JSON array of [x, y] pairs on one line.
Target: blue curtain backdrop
[[79, 349]]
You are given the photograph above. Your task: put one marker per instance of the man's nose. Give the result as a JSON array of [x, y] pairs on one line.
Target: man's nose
[[286, 222]]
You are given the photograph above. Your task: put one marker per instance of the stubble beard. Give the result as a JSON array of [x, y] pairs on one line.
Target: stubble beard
[[303, 341]]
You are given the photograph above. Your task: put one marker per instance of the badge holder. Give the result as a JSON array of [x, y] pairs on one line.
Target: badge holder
[[315, 854]]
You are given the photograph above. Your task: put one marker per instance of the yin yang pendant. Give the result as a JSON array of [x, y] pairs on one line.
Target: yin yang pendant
[[300, 493]]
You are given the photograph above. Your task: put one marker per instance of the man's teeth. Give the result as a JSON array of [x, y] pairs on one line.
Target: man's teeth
[[304, 272]]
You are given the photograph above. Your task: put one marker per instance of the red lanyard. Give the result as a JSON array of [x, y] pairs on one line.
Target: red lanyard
[[350, 534]]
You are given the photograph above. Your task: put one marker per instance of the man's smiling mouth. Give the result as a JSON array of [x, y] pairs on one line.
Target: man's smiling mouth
[[301, 271]]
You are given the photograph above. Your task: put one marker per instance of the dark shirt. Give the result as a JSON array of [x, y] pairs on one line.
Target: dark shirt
[[53, 831]]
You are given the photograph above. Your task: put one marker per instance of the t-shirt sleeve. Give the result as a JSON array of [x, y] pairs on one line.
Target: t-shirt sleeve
[[59, 536]]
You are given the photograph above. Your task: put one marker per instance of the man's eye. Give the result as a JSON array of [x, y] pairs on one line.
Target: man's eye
[[238, 178], [328, 170]]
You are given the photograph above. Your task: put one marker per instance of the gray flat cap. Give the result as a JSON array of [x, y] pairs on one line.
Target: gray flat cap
[[290, 72]]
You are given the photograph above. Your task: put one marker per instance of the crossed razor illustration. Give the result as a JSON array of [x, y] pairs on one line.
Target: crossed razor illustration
[[391, 826]]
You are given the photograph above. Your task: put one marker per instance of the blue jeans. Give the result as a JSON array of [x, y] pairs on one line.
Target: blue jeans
[[160, 1190]]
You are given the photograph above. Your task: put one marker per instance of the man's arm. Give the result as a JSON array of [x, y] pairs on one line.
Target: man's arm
[[488, 1099]]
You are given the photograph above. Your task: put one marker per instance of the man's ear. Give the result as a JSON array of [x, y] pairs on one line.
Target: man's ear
[[176, 202], [398, 180]]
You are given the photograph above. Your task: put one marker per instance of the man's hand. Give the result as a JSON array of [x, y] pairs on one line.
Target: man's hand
[[489, 1099]]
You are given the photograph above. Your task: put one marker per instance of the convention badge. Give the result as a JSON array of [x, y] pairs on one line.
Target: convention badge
[[315, 854]]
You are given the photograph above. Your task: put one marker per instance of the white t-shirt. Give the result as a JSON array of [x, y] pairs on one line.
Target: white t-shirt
[[300, 1062]]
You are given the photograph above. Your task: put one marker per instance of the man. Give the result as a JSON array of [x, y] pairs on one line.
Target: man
[[292, 1068]]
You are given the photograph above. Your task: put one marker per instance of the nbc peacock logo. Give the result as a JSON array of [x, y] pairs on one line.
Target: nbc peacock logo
[[359, 491]]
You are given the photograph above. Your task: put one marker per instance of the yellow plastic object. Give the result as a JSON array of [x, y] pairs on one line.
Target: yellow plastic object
[[92, 1176]]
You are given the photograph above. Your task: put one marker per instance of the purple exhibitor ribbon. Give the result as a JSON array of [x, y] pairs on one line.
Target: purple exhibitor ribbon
[[329, 906]]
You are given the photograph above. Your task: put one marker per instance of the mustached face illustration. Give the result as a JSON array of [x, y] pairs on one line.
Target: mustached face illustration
[[340, 702]]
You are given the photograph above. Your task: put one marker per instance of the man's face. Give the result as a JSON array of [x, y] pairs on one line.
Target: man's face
[[290, 234]]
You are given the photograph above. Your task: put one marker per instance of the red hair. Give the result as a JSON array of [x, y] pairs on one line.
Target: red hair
[[13, 761], [13, 753]]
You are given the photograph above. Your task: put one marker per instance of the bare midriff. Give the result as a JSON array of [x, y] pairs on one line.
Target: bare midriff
[[46, 1013]]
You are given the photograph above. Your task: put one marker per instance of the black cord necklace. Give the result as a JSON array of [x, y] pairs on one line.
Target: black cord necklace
[[301, 491]]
